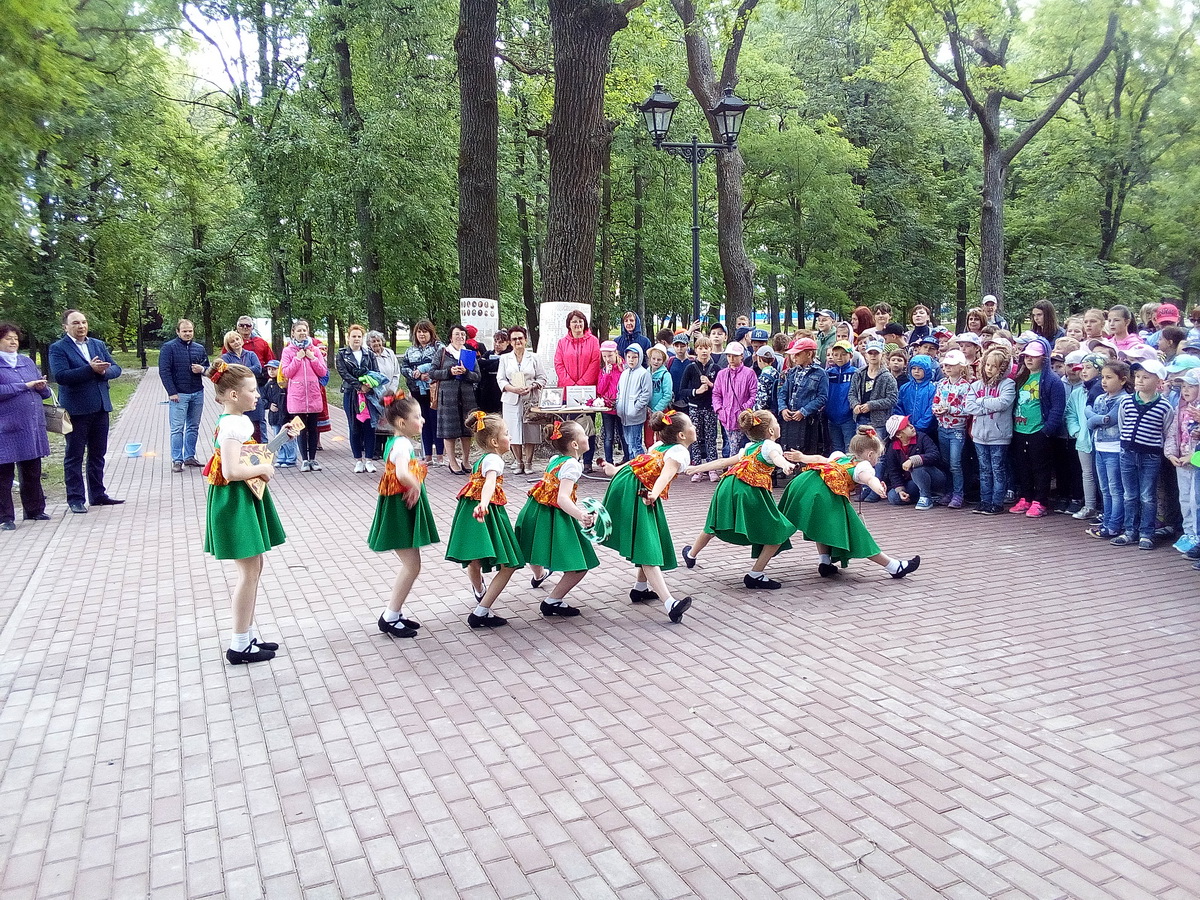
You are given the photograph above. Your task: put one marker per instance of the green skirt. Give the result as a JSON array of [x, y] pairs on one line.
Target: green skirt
[[492, 542], [396, 527], [548, 537], [238, 525], [639, 532], [826, 518], [746, 515]]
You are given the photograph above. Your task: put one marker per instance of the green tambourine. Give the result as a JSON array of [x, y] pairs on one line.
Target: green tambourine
[[1195, 460], [602, 526]]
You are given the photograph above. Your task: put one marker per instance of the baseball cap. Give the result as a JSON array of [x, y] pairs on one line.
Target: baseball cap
[[843, 345], [1153, 366], [827, 312], [275, 363], [893, 328], [1075, 358], [681, 337], [759, 334], [928, 339], [609, 345], [733, 347], [1097, 360], [1025, 337], [989, 300], [1192, 377], [955, 358], [802, 344], [943, 332], [896, 424], [969, 337], [1000, 343], [1140, 353], [764, 353], [1101, 342], [1167, 312], [874, 344], [1033, 348], [1183, 363]]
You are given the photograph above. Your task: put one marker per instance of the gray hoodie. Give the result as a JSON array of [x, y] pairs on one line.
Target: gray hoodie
[[633, 391], [992, 408]]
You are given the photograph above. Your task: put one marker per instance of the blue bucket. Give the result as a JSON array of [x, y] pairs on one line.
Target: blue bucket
[[133, 451]]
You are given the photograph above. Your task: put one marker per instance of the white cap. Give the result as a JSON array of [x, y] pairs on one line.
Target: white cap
[[1153, 366], [969, 337], [734, 347], [955, 358]]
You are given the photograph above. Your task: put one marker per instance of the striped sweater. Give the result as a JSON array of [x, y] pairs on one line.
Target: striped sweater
[[1143, 425]]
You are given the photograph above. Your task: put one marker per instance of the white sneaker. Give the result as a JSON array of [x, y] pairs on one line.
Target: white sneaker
[[314, 466], [359, 467], [1086, 513], [305, 465], [370, 466]]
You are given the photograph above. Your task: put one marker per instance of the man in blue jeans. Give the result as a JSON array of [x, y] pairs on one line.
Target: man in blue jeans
[[181, 365]]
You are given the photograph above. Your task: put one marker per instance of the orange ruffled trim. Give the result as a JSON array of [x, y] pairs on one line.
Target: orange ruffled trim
[[390, 485], [473, 489], [647, 467], [752, 470], [545, 491]]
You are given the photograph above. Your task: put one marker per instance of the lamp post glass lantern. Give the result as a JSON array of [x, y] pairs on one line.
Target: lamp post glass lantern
[[657, 110]]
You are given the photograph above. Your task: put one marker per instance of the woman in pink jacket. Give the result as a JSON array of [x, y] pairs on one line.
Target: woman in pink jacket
[[304, 366], [577, 361]]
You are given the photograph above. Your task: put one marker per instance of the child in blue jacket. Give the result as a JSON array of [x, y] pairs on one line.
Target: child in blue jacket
[[916, 396]]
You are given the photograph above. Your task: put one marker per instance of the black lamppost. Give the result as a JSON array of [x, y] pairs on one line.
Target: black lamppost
[[657, 110], [141, 305]]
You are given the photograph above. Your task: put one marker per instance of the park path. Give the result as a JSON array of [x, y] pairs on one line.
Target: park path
[[1021, 718]]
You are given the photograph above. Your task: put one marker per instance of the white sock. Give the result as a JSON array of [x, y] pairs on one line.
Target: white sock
[[554, 602], [641, 585], [668, 603], [759, 576], [894, 566], [391, 615], [826, 559], [482, 611], [240, 642]]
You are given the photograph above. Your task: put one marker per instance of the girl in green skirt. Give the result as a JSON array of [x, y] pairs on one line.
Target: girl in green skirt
[[548, 528], [743, 510], [481, 537], [640, 532], [241, 524], [818, 503], [403, 520]]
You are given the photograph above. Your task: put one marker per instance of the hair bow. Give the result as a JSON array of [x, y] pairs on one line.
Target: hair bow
[[479, 415], [556, 434], [867, 429], [667, 416], [218, 368], [756, 419], [388, 399]]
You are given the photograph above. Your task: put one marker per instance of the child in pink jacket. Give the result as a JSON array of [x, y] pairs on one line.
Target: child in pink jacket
[[606, 389]]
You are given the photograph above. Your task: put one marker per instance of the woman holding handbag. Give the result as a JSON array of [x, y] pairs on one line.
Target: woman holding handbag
[[23, 440], [417, 366], [521, 378]]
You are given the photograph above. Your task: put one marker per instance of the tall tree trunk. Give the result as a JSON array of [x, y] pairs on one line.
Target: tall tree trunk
[[200, 270], [773, 301], [960, 278], [991, 210], [582, 33], [737, 269], [352, 124], [639, 242], [603, 304], [478, 201]]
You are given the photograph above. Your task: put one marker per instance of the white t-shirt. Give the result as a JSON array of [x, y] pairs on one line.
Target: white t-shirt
[[677, 452], [234, 428], [492, 462], [402, 449], [863, 472], [572, 470], [357, 356]]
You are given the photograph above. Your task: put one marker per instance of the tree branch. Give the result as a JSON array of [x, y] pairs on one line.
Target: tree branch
[[1052, 109], [525, 68], [740, 22]]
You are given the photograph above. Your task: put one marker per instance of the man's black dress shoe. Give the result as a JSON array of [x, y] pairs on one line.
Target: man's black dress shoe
[[107, 501], [77, 507], [40, 517]]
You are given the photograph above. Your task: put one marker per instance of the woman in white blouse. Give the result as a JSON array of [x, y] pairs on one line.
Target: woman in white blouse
[[521, 377]]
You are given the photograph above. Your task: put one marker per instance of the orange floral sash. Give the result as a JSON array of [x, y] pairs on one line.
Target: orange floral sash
[[836, 475], [647, 467], [473, 489], [752, 469], [390, 484], [545, 491]]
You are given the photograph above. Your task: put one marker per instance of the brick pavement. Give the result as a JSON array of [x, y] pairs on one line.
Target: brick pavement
[[990, 727]]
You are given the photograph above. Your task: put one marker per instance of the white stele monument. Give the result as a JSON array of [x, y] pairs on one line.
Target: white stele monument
[[484, 314], [553, 321]]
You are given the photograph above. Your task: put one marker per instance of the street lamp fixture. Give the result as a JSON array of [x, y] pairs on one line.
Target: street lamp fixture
[[657, 110]]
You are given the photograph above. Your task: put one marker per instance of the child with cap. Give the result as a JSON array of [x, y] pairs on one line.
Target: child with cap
[[826, 333], [990, 401], [803, 393], [698, 383], [916, 397], [949, 406], [734, 392], [971, 346], [873, 389], [912, 465], [607, 384], [768, 380], [840, 372], [1041, 406], [1182, 442], [1067, 496], [676, 366], [275, 395], [1142, 421]]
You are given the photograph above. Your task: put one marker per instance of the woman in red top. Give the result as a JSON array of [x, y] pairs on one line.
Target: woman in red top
[[577, 362]]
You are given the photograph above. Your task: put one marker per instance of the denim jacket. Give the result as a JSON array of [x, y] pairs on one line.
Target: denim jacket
[[1102, 418], [804, 390]]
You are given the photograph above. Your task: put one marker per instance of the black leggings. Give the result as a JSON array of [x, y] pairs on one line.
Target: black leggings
[[1031, 458], [309, 436]]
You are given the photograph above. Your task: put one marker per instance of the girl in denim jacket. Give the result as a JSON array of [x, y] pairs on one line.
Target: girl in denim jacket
[[1106, 443]]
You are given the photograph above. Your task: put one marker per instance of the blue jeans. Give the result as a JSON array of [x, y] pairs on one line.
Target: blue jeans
[[185, 424], [612, 434], [923, 481], [632, 435], [287, 453], [1139, 475], [840, 434], [951, 441], [1108, 474], [993, 473]]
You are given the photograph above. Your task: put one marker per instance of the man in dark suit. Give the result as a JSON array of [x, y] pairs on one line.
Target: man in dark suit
[[83, 367]]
